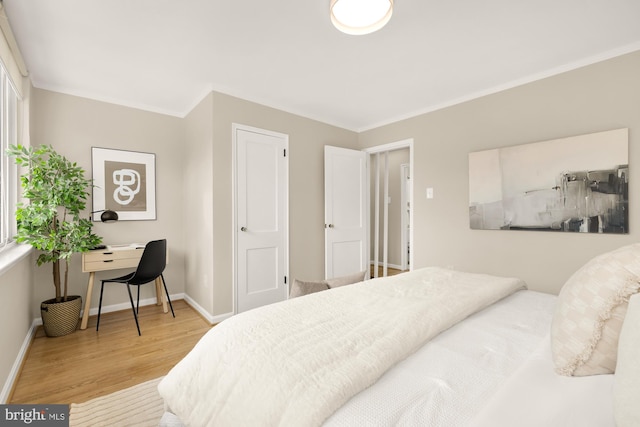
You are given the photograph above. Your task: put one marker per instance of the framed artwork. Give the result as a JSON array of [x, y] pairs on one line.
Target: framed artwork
[[576, 184], [125, 182]]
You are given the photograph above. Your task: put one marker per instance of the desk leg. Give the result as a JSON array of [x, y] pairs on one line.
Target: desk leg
[[158, 291], [87, 301], [161, 298]]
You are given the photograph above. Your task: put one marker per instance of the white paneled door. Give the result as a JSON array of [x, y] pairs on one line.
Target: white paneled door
[[261, 223], [345, 192]]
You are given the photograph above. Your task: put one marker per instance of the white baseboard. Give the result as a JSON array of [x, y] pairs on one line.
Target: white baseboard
[[204, 313], [220, 317], [15, 369], [119, 307], [127, 305]]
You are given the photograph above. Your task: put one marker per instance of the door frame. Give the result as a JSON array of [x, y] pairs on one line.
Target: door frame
[[235, 127], [392, 146], [405, 170]]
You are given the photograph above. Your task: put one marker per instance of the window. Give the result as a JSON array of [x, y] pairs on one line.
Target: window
[[8, 173]]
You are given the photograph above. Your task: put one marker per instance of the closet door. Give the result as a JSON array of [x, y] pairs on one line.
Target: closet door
[[261, 223]]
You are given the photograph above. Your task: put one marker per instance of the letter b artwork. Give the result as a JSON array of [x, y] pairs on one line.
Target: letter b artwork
[[124, 181]]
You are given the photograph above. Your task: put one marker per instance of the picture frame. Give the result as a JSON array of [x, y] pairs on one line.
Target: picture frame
[[124, 182], [574, 184]]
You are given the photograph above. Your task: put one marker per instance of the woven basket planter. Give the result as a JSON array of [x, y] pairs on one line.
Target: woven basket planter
[[60, 318]]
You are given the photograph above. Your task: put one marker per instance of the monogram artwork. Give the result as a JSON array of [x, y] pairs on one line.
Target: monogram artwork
[[124, 182], [126, 186]]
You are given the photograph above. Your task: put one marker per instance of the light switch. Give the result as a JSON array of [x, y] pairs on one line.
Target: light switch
[[430, 193]]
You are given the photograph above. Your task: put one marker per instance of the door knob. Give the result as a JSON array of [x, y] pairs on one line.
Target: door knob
[[243, 228]]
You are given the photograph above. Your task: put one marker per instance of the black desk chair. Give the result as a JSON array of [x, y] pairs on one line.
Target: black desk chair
[[150, 267]]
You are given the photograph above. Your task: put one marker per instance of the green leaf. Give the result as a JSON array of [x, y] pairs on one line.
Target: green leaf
[[57, 191]]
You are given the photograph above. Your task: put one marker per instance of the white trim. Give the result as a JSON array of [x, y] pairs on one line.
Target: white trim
[[405, 199], [391, 146], [234, 213], [376, 227], [15, 369], [11, 255], [220, 317], [204, 313], [385, 220], [125, 305]]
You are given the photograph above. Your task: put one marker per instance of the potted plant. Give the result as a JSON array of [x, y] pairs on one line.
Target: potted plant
[[56, 190]]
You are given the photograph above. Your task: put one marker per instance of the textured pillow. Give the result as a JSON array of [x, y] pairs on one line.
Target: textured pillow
[[626, 388], [590, 311], [346, 280], [299, 288]]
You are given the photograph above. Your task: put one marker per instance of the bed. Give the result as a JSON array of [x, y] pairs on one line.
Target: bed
[[432, 347]]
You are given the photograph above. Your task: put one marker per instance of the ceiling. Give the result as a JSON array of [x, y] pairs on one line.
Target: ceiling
[[165, 56]]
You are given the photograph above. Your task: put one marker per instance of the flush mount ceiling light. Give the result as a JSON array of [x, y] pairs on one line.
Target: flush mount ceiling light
[[360, 16]]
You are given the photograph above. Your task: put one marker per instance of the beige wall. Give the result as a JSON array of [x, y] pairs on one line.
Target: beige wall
[[198, 204], [307, 139], [73, 125], [599, 97], [15, 316]]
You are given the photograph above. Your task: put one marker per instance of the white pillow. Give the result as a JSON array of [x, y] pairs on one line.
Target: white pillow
[[347, 280], [590, 311], [626, 388], [300, 288]]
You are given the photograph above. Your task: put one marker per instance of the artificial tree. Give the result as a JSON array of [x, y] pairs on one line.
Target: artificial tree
[[56, 190]]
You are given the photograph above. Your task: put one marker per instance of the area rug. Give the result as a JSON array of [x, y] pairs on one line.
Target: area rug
[[139, 406]]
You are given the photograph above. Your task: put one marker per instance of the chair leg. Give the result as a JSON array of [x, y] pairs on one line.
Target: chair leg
[[167, 292], [135, 316], [138, 301], [100, 305]]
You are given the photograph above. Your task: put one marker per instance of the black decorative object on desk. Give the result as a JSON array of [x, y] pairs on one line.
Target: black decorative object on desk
[[107, 215]]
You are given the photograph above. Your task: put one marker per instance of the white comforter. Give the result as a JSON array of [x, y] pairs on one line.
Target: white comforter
[[294, 363]]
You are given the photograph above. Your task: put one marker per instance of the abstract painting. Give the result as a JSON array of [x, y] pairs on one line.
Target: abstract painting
[[124, 181], [575, 184]]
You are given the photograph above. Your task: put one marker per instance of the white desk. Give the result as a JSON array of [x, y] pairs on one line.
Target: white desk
[[113, 258]]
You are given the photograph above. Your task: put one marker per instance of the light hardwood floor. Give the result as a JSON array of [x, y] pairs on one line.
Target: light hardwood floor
[[87, 364], [390, 271]]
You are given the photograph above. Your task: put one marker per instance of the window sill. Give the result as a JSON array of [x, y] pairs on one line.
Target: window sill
[[11, 255]]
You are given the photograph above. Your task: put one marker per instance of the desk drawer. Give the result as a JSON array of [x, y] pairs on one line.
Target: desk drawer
[[110, 260]]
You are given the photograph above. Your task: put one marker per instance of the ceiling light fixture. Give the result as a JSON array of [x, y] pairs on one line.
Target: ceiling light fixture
[[360, 16]]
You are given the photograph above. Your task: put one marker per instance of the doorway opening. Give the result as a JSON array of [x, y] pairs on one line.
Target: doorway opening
[[391, 209]]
